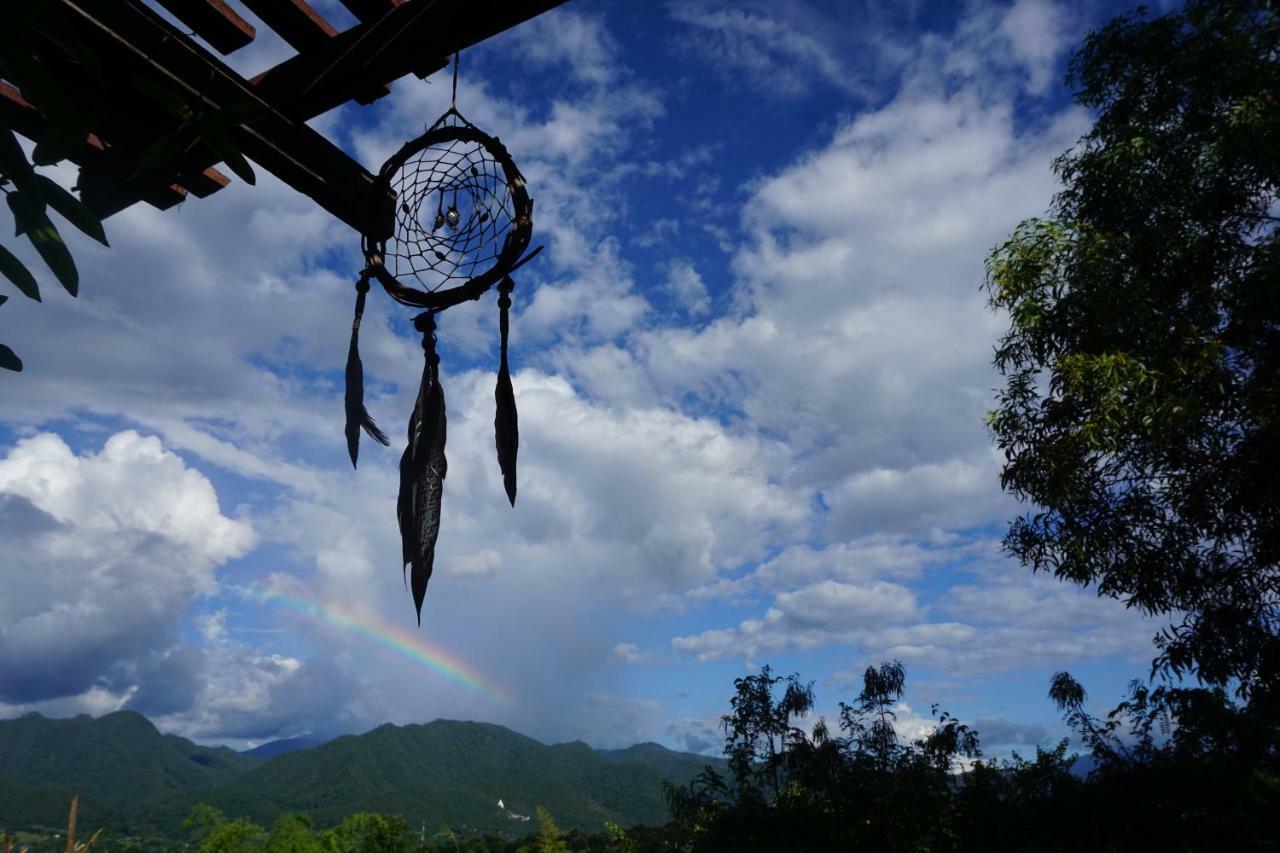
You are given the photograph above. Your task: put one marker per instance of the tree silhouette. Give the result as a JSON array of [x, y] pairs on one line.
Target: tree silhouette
[[1141, 405], [1172, 769], [759, 731]]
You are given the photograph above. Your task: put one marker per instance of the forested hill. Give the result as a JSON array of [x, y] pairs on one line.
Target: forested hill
[[120, 751], [444, 772]]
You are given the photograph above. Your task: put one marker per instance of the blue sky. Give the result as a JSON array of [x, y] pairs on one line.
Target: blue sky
[[751, 365]]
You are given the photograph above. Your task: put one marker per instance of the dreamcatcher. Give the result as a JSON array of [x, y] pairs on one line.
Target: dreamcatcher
[[457, 220]]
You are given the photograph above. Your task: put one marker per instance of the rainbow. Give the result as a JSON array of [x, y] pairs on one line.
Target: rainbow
[[394, 639]]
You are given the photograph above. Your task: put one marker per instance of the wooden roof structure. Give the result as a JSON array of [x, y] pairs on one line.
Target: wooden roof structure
[[136, 50]]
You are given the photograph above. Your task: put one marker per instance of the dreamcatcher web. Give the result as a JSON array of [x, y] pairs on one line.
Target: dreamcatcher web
[[453, 214]]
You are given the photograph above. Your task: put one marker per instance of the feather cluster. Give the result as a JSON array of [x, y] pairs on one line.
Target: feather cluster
[[422, 471]]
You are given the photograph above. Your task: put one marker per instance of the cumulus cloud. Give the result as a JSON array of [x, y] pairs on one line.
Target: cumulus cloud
[[1005, 619], [688, 288], [247, 696], [103, 554], [812, 616], [1038, 32], [859, 559], [630, 653]]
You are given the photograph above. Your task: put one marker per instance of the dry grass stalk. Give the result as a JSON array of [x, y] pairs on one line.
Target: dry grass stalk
[[72, 845]]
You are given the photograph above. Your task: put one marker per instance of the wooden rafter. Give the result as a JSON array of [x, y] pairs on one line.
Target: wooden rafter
[[294, 21], [214, 21], [370, 10], [138, 41], [133, 45], [417, 37]]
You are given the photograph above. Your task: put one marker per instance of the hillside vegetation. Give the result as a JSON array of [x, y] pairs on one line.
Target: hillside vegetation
[[132, 778]]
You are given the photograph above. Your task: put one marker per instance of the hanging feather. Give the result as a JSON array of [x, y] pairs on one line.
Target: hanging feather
[[422, 471], [357, 416], [404, 503], [506, 424]]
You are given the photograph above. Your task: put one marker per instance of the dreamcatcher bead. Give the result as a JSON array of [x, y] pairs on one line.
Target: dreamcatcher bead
[[453, 217]]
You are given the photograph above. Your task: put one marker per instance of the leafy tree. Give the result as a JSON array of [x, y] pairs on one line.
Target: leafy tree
[[759, 730], [863, 789], [1173, 768], [548, 839], [869, 721], [1178, 767], [293, 833], [219, 835], [1141, 405], [619, 841], [365, 832]]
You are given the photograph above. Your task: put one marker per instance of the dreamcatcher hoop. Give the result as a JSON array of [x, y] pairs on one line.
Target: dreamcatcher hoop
[[452, 255], [475, 150]]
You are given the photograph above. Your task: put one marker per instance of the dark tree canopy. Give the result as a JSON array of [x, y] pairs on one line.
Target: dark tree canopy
[[1171, 768], [1141, 407]]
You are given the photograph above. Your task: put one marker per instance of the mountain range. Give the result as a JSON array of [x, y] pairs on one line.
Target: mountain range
[[130, 777]]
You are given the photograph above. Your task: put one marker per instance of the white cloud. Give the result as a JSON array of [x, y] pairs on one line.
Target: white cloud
[[862, 337], [103, 554], [825, 613], [628, 653], [780, 50], [684, 282], [832, 605], [956, 494], [1004, 619], [245, 695], [567, 37], [1038, 33], [861, 559]]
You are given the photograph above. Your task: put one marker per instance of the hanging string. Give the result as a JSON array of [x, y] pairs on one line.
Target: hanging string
[[455, 80]]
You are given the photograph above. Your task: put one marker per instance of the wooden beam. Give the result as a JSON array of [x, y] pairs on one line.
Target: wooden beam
[[206, 183], [418, 37], [370, 10], [214, 21], [137, 41], [294, 21]]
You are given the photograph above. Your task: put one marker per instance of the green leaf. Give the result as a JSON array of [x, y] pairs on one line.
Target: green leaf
[[171, 102], [161, 152], [13, 163], [17, 272], [38, 86], [9, 360], [44, 237], [60, 143], [227, 151], [72, 209], [76, 50]]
